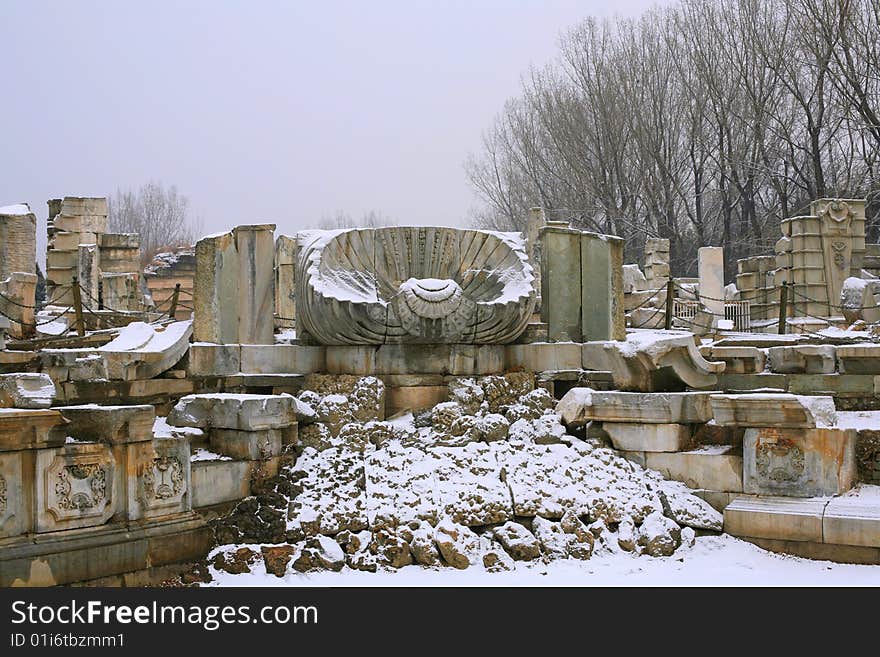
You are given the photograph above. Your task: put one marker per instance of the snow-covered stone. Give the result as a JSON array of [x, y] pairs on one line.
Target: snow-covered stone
[[519, 542], [659, 536]]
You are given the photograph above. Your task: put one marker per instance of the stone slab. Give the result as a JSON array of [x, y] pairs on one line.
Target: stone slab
[[30, 429], [580, 405], [543, 356], [26, 390], [281, 359], [859, 359], [773, 410], [454, 359], [234, 411], [778, 518], [207, 359], [246, 445], [648, 437], [738, 360], [110, 424], [799, 462]]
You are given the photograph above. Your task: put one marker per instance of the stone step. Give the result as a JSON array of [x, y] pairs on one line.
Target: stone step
[[848, 520]]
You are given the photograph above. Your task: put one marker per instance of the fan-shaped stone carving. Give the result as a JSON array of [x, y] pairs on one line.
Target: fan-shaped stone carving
[[413, 285]]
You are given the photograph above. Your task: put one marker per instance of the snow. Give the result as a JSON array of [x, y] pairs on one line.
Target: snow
[[161, 429], [141, 337], [285, 336], [203, 454], [712, 561], [858, 420], [16, 209]]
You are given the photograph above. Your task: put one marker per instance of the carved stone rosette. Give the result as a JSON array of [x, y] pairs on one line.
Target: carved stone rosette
[[417, 285]]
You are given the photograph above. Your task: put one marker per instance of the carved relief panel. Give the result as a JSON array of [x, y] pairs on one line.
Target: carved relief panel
[[74, 486]]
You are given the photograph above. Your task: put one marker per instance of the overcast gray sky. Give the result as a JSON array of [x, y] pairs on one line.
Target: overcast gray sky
[[265, 111]]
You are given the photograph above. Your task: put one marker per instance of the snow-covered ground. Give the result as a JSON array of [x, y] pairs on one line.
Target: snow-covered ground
[[712, 561]]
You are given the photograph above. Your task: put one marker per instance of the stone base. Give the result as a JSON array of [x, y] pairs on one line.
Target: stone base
[[113, 549], [819, 551], [777, 518]]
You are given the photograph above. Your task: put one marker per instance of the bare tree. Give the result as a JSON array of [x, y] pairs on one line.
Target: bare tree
[[341, 219], [160, 215]]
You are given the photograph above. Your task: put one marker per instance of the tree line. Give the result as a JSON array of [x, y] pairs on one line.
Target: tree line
[[705, 122]]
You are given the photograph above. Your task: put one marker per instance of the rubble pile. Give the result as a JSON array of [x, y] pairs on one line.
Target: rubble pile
[[485, 479]]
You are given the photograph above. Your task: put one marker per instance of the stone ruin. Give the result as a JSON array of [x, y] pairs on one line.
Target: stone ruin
[[378, 398]]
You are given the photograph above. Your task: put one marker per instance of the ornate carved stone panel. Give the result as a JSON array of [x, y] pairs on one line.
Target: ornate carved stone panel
[[74, 486], [14, 502], [162, 483]]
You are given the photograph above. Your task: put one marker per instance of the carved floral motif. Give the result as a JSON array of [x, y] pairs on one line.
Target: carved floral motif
[[780, 461], [79, 498], [163, 481]]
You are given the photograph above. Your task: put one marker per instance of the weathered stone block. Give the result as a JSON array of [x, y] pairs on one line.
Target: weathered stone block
[[282, 358], [716, 468], [234, 286], [230, 411], [247, 445], [739, 360], [775, 518], [110, 424], [859, 358], [580, 405], [74, 487], [214, 359], [803, 359], [773, 410], [543, 356], [415, 398], [799, 462], [648, 437], [26, 390], [215, 482], [852, 521], [30, 429]]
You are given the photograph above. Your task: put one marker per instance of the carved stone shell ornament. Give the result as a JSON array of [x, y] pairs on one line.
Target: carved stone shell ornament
[[413, 285]]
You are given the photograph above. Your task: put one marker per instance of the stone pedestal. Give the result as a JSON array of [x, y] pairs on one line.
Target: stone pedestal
[[234, 286], [561, 283]]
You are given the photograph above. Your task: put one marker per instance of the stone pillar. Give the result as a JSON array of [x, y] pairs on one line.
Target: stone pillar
[[534, 223], [234, 287], [561, 283], [285, 281], [18, 240], [711, 273], [656, 262], [88, 274], [602, 312]]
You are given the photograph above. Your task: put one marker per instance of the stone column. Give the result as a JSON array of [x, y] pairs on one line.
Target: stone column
[[711, 273], [285, 281], [234, 287], [561, 283], [602, 312]]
